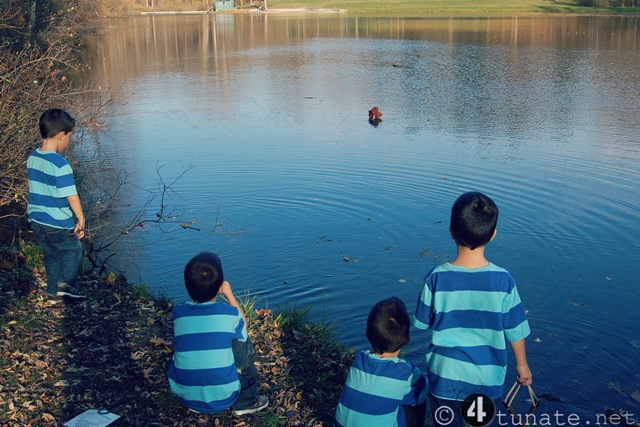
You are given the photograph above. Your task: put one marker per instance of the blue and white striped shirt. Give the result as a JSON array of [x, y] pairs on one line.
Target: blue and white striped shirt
[[375, 389], [50, 183], [471, 312], [203, 373]]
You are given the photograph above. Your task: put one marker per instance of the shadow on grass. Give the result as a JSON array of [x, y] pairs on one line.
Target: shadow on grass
[[319, 362], [114, 360]]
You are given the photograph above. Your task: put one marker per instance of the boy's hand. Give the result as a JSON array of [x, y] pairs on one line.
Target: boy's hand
[[79, 229], [225, 290], [524, 375]]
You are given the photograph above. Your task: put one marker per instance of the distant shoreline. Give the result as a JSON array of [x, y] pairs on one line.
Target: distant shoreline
[[434, 14], [247, 10]]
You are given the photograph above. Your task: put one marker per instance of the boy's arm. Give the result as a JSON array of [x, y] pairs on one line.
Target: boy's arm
[[76, 207], [522, 367], [419, 390], [225, 290]]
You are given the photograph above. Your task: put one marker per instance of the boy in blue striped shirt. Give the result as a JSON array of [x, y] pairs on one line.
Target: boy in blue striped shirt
[[53, 202], [213, 361], [471, 306], [381, 388]]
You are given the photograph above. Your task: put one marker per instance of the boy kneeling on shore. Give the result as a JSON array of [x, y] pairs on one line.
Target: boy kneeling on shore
[[213, 362]]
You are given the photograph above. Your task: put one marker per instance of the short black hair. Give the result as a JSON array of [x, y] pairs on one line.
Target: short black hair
[[474, 217], [53, 121], [203, 277], [388, 326]]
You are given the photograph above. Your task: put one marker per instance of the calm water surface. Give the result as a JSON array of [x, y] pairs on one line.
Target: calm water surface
[[307, 202]]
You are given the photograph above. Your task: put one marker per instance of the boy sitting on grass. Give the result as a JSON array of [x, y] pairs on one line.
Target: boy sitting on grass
[[213, 362], [383, 389]]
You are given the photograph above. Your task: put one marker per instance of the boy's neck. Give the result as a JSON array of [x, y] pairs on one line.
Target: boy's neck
[[49, 144], [468, 258], [387, 354]]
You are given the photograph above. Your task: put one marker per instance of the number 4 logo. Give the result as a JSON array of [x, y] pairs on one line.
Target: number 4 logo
[[478, 410]]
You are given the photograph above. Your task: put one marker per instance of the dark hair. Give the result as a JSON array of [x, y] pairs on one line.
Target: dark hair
[[388, 326], [474, 217], [203, 276], [54, 121]]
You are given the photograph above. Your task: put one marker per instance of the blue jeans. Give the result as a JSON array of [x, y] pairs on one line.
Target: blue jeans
[[244, 354], [62, 255]]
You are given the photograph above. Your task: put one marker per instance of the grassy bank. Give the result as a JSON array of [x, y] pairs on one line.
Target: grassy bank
[[435, 8], [113, 349], [453, 8]]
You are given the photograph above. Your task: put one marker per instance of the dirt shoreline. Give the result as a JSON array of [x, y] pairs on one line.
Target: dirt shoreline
[[112, 350]]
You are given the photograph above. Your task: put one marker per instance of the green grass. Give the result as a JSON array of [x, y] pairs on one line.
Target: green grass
[[454, 8], [408, 8]]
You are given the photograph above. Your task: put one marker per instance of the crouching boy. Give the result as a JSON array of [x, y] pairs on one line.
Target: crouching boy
[[381, 388], [213, 362]]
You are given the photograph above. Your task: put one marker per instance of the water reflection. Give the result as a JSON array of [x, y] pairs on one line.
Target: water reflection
[[539, 112], [474, 60], [208, 41]]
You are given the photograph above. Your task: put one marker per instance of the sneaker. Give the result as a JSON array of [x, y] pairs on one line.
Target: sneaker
[[261, 403], [65, 290], [53, 300]]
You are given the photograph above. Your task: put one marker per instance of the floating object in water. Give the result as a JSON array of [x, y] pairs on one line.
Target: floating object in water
[[375, 113], [374, 117]]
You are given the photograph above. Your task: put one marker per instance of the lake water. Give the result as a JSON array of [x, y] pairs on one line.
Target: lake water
[[307, 202]]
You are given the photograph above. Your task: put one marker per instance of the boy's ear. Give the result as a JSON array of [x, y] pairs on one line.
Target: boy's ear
[[494, 234], [453, 236]]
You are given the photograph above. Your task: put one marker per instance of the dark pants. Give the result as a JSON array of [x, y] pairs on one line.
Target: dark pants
[[62, 255], [415, 414], [244, 354]]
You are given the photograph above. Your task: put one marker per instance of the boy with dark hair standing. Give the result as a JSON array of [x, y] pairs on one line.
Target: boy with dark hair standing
[[381, 388], [471, 305], [53, 202], [213, 362]]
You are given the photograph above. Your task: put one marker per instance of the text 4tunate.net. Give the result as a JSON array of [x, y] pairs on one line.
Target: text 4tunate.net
[[560, 419]]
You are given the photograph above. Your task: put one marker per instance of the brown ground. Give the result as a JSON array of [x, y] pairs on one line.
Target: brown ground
[[112, 350]]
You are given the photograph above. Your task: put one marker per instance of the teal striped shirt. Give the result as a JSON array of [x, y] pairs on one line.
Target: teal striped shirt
[[50, 183], [375, 390], [471, 312], [203, 373]]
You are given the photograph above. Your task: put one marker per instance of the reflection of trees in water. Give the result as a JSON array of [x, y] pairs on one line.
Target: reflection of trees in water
[[212, 41]]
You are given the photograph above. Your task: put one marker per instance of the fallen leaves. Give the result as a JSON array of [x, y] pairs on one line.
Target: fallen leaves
[[113, 350]]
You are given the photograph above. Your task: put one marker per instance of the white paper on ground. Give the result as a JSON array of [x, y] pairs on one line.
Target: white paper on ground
[[92, 418]]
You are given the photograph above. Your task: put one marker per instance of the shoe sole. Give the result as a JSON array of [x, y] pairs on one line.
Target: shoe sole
[[70, 295], [250, 410]]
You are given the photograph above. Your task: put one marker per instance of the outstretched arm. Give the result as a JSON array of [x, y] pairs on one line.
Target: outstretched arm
[[225, 290], [522, 367]]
